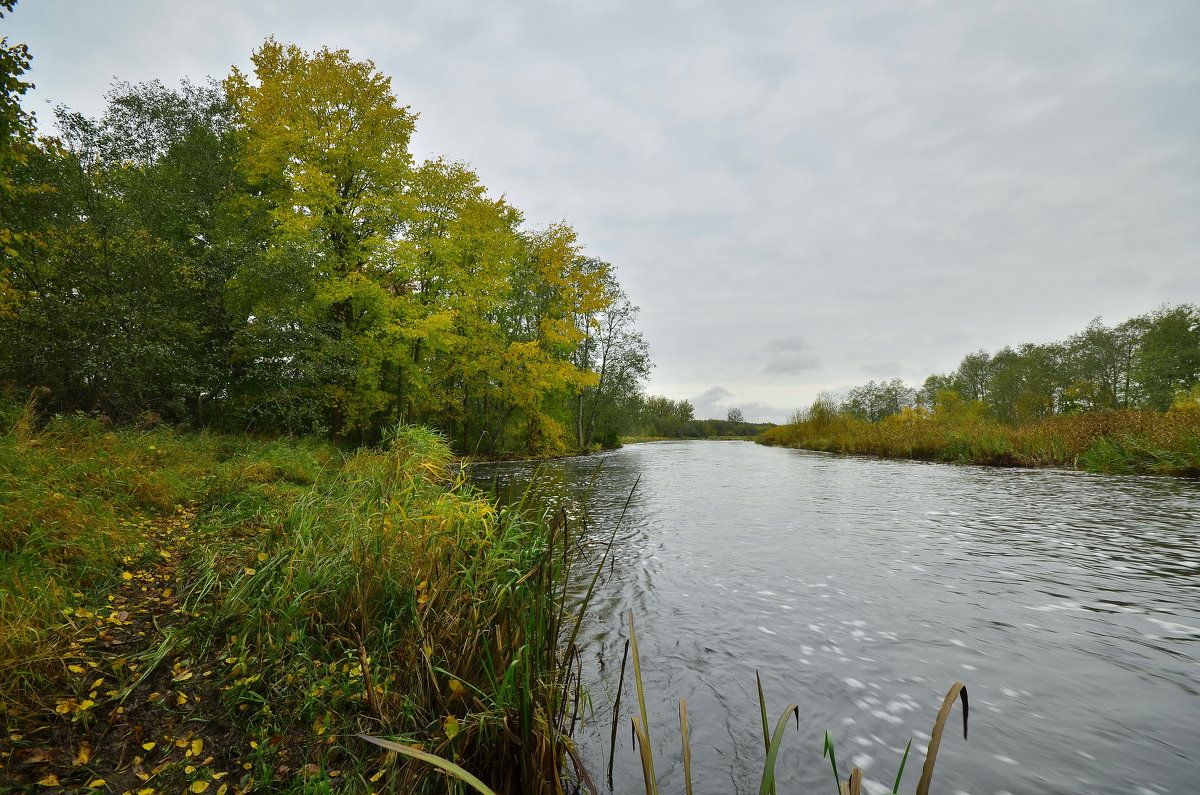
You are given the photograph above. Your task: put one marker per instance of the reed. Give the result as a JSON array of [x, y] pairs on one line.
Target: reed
[[318, 595], [1130, 441], [773, 740]]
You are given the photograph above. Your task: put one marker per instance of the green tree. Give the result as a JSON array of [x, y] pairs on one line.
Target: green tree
[[326, 146], [1167, 359], [16, 137], [121, 271], [875, 401], [613, 349]]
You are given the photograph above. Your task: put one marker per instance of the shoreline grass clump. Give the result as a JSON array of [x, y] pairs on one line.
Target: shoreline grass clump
[[190, 611], [1130, 441]]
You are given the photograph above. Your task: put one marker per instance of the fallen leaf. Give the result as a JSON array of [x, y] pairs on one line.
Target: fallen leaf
[[149, 746], [198, 786], [96, 783], [50, 781], [85, 753]]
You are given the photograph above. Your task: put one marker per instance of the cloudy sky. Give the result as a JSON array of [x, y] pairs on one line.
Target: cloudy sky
[[801, 195]]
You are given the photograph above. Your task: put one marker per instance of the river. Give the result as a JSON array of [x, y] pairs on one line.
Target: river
[[861, 589]]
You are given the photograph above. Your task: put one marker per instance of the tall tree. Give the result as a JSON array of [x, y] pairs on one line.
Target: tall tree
[[326, 145], [16, 136], [613, 349], [1167, 360]]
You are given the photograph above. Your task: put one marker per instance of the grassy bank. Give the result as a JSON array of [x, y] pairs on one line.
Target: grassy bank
[[216, 613], [1132, 441]]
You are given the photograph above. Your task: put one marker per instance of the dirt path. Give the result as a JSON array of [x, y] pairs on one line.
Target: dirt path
[[128, 714]]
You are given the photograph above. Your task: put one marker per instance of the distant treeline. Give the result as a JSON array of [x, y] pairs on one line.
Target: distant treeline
[[1122, 399], [1150, 361], [657, 417], [264, 253]]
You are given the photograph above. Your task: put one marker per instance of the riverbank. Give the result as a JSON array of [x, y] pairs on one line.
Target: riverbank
[[214, 613], [1123, 442]]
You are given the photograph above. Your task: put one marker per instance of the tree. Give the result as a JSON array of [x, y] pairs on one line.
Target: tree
[[615, 351], [1167, 359], [326, 145], [121, 270], [735, 415], [875, 401], [16, 136]]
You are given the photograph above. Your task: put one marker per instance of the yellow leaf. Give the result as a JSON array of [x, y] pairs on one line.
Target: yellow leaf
[[262, 556], [97, 683], [125, 575], [190, 769], [222, 789], [450, 725], [76, 669], [85, 753], [149, 746], [96, 783], [373, 779], [87, 703], [197, 747], [49, 781], [146, 791], [180, 700], [198, 786]]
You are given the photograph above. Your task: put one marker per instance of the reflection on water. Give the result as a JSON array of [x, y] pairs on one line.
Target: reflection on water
[[1069, 604]]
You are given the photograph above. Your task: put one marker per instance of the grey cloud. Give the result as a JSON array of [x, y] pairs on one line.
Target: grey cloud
[[705, 405], [792, 365], [883, 368]]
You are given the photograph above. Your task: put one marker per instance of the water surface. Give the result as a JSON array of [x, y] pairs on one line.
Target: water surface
[[1068, 603]]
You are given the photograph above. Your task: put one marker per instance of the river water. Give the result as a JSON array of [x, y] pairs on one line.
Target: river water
[[860, 589]]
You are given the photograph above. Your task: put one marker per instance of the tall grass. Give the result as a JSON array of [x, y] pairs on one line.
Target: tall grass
[[324, 594], [1130, 441]]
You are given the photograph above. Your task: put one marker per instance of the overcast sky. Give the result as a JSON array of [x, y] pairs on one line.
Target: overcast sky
[[800, 195]]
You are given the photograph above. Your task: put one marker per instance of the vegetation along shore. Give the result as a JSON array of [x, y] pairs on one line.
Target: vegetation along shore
[[1123, 399]]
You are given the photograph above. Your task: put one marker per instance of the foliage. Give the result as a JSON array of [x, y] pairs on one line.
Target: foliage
[[1094, 400], [264, 254]]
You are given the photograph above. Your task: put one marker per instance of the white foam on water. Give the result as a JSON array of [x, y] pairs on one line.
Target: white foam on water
[[1008, 760], [769, 632], [854, 683], [964, 666], [808, 650]]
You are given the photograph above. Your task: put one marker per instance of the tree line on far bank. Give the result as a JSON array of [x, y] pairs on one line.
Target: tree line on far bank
[[1123, 399], [264, 253], [1151, 361]]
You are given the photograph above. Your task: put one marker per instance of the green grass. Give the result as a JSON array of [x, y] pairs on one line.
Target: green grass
[[322, 594]]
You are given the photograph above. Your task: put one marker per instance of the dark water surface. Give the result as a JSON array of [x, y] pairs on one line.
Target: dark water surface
[[1068, 603]]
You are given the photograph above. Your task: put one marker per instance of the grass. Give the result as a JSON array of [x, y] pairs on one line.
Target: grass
[[183, 611], [1128, 442]]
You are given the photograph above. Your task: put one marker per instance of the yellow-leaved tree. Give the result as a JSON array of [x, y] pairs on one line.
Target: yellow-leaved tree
[[325, 144]]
